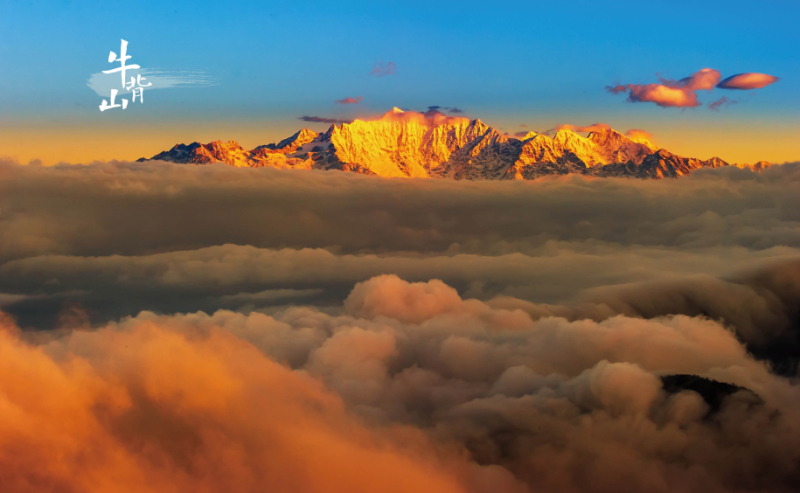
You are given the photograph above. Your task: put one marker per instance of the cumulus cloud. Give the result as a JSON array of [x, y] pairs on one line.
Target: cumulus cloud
[[381, 69], [217, 415], [746, 81], [425, 389], [319, 119], [671, 93], [349, 100]]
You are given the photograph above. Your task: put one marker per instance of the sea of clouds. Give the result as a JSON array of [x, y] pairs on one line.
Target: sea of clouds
[[207, 328]]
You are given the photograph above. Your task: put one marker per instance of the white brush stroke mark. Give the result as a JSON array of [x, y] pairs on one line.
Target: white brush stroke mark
[[161, 79]]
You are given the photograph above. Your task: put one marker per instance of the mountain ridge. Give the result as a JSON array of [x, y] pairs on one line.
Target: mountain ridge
[[433, 145]]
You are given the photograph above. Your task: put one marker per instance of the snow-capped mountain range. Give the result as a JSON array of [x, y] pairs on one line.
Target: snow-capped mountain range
[[412, 144]]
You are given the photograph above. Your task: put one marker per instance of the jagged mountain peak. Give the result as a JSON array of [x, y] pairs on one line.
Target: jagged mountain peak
[[413, 144]]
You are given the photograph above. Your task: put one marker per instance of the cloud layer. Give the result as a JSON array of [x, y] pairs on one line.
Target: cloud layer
[[207, 328]]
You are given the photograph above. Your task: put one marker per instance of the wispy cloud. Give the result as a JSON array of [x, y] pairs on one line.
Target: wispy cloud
[[745, 81], [381, 69], [723, 101], [319, 119], [448, 109], [349, 100]]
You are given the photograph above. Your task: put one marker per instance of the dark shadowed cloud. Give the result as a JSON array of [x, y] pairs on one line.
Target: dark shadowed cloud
[[319, 119], [723, 101], [447, 109]]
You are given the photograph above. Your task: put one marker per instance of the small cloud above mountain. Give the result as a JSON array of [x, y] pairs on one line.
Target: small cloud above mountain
[[349, 100], [746, 81], [319, 119], [448, 109], [723, 101], [381, 69], [430, 117], [594, 127], [637, 135]]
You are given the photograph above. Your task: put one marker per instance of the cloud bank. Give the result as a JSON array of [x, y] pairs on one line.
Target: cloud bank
[[207, 328], [425, 389]]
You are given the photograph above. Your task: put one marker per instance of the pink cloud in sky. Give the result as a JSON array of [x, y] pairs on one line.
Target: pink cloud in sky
[[349, 100], [671, 93], [749, 80]]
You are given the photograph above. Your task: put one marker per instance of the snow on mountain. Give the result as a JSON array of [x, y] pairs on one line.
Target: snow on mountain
[[411, 144]]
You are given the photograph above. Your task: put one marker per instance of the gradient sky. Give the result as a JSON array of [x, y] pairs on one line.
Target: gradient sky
[[538, 64]]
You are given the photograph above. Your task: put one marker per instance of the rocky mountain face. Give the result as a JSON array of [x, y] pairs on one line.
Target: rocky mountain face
[[411, 144]]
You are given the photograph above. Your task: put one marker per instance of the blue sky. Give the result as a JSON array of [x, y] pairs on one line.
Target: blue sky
[[511, 63]]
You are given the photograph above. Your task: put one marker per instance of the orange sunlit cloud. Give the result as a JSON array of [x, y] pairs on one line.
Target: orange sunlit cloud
[[671, 93], [577, 128], [638, 135], [430, 117], [745, 81], [110, 413]]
